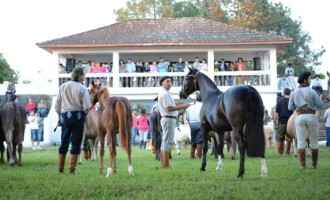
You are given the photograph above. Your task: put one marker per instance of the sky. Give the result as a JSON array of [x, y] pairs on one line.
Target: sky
[[25, 23]]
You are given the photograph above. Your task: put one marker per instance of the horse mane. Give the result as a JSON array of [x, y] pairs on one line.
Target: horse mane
[[102, 96]]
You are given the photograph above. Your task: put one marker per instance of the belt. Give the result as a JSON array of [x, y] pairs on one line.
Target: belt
[[169, 116], [300, 112]]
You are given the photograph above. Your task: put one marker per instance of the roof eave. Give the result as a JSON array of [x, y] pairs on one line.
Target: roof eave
[[47, 47]]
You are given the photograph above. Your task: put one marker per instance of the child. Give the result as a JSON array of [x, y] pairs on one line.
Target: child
[[34, 130], [327, 125]]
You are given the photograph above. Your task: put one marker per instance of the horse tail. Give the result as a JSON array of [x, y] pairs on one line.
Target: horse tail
[[253, 130], [121, 111]]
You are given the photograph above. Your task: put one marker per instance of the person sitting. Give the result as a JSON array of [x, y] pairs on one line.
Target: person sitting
[[317, 84], [30, 106], [10, 90]]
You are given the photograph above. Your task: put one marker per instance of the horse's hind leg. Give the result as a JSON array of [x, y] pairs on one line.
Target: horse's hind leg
[[20, 149], [112, 149], [130, 167], [2, 150], [101, 152], [242, 150]]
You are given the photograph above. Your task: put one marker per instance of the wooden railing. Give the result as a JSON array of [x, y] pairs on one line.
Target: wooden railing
[[150, 80]]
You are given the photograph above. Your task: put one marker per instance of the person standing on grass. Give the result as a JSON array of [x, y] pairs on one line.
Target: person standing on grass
[[72, 105], [143, 126], [283, 114], [327, 125], [306, 101], [168, 109]]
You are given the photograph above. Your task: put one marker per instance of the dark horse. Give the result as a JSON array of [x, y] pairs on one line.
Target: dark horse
[[240, 109], [156, 130], [13, 119], [115, 117]]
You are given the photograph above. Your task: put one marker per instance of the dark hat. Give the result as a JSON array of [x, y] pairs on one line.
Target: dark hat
[[303, 76], [316, 75], [77, 71], [163, 78], [290, 64], [143, 110]]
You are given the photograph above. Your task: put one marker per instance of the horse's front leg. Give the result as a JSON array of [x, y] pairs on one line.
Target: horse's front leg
[[220, 141], [263, 167], [205, 148]]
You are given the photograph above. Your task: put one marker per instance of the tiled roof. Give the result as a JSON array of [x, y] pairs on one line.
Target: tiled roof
[[165, 32]]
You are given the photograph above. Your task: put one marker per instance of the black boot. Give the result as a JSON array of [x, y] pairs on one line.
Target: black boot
[[144, 144], [141, 144]]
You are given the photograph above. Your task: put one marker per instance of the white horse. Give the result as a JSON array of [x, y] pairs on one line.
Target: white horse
[[91, 132], [182, 134]]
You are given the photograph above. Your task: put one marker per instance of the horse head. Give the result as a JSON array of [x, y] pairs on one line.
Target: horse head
[[190, 84]]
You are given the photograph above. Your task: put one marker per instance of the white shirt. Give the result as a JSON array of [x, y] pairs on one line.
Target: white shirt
[[192, 113], [327, 115], [166, 100]]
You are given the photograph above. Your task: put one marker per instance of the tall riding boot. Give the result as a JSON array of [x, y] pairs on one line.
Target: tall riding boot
[[315, 156], [280, 147], [277, 144], [73, 163], [302, 158], [165, 162], [85, 154], [192, 152], [199, 150], [288, 147], [61, 161]]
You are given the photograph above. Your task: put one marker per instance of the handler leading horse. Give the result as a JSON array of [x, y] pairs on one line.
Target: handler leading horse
[[240, 109]]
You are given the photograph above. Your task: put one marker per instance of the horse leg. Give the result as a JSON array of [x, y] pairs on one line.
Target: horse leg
[[102, 135], [112, 148], [205, 147], [130, 167], [242, 149], [20, 149], [233, 146], [2, 150], [220, 141]]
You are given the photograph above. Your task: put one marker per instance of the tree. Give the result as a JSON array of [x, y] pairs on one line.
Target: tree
[[145, 9], [260, 15], [6, 73]]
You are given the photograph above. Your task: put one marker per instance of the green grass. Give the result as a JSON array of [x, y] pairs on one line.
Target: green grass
[[38, 178]]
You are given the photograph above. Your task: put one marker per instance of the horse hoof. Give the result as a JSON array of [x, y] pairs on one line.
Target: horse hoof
[[202, 170]]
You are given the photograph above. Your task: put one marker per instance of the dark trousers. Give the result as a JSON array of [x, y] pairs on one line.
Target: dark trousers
[[72, 131], [196, 135]]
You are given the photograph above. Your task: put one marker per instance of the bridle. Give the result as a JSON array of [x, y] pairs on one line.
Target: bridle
[[195, 82]]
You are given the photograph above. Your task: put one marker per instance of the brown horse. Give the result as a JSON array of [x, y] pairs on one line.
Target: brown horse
[[13, 119], [115, 117]]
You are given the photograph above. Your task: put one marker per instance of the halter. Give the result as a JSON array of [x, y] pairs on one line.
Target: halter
[[194, 76]]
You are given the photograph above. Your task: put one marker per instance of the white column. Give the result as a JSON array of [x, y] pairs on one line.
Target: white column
[[115, 69], [273, 69], [54, 70], [210, 64]]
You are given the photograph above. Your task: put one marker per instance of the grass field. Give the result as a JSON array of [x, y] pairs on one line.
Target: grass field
[[38, 178]]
